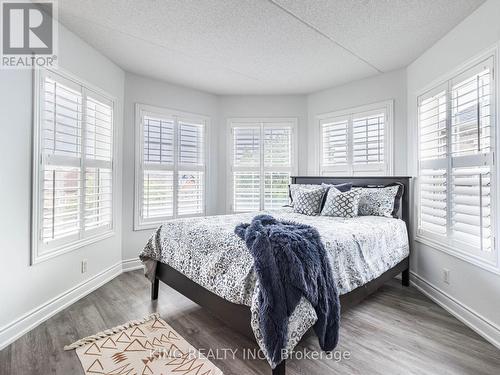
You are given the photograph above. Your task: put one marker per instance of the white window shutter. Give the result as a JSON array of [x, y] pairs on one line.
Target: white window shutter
[[276, 189], [246, 146], [471, 214], [246, 191], [61, 202], [173, 166], [277, 146], [432, 127], [455, 175], [61, 132], [433, 202], [262, 163], [191, 142], [277, 164], [98, 160], [190, 197], [471, 114], [62, 118], [334, 146], [158, 140], [75, 141], [158, 194], [246, 168], [98, 198], [99, 130], [368, 143], [158, 161]]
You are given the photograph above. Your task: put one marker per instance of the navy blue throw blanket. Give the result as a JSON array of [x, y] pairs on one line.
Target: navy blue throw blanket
[[290, 262]]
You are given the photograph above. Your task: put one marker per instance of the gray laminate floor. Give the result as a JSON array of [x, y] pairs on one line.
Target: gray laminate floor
[[395, 331]]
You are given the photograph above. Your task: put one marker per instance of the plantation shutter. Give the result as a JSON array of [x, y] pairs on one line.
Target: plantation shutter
[[75, 171], [191, 168], [158, 168], [471, 157], [334, 146], [173, 167], [368, 143], [432, 116], [471, 202], [246, 167], [354, 142], [61, 134], [456, 161], [262, 163], [277, 164], [98, 162]]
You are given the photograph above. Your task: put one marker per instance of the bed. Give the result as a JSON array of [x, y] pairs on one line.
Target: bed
[[205, 261]]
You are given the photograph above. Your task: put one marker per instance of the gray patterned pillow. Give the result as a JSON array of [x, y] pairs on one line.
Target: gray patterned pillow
[[295, 188], [341, 204], [377, 201], [308, 202]]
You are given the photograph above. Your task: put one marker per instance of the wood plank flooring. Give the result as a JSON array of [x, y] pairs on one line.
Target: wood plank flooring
[[395, 331]]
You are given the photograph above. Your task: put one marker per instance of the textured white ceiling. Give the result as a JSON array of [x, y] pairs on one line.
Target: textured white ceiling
[[262, 46]]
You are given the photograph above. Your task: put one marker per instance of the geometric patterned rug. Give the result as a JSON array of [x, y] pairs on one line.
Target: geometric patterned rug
[[144, 347]]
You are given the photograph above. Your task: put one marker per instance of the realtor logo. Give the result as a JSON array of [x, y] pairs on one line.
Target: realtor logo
[[29, 30]]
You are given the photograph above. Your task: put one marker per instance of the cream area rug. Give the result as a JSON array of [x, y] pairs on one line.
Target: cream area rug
[[142, 347]]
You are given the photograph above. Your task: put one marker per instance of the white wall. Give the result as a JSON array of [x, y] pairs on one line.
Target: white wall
[[473, 292], [258, 106], [25, 288], [383, 87], [152, 92]]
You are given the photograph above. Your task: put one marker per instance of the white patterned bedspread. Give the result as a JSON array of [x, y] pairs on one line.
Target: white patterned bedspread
[[206, 250]]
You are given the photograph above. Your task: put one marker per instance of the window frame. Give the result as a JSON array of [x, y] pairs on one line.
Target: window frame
[[83, 237], [250, 122], [387, 106], [145, 109], [445, 82]]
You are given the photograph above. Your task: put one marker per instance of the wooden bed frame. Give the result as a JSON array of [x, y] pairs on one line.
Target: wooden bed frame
[[238, 316]]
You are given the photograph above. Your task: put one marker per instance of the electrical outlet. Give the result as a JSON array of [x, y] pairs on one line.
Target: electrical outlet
[[446, 276], [84, 266]]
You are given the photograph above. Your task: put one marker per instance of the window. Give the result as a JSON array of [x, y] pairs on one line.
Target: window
[[73, 165], [456, 175], [262, 161], [170, 174], [356, 141]]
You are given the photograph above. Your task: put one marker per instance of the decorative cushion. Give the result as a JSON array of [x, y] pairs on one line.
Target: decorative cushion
[[308, 201], [295, 188], [341, 204], [340, 187], [377, 201]]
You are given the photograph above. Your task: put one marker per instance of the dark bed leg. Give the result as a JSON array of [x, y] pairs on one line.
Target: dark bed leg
[[155, 286], [405, 277], [280, 369]]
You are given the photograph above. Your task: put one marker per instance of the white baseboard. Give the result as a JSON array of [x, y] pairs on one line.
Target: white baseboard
[[12, 331], [131, 264], [487, 329]]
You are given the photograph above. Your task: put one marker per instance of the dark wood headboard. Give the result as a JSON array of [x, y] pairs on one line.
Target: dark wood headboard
[[404, 210]]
